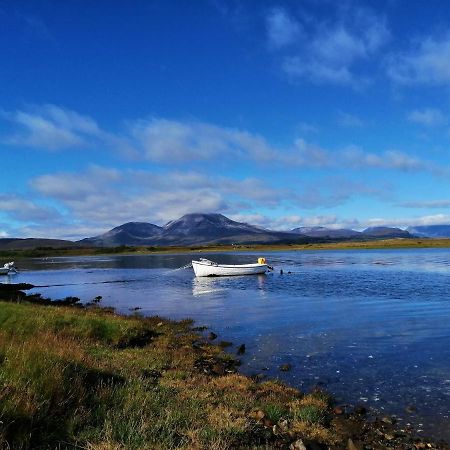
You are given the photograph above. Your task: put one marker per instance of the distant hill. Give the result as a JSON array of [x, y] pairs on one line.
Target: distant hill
[[201, 229], [131, 233], [30, 243], [385, 233], [191, 229], [323, 232], [431, 231]]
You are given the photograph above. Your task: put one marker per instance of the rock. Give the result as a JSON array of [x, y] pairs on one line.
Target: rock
[[225, 344], [352, 445], [360, 409], [338, 410], [257, 377], [410, 409], [259, 414], [314, 445], [218, 369], [159, 324], [268, 423], [298, 445], [283, 424], [241, 349], [389, 436], [388, 419], [212, 336], [285, 367]]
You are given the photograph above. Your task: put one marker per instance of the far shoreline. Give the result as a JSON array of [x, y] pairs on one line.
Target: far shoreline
[[382, 244]]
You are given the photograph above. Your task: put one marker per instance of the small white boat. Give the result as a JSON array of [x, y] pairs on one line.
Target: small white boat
[[207, 268], [8, 268]]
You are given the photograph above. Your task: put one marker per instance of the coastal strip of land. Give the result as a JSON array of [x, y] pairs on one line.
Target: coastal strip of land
[[82, 376], [398, 243]]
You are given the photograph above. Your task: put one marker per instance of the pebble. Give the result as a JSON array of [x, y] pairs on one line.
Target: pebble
[[359, 409], [212, 336], [297, 445]]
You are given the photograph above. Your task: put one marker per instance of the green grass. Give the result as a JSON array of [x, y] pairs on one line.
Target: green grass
[[88, 378]]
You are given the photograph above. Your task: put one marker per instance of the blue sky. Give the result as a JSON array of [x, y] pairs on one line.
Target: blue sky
[[278, 113]]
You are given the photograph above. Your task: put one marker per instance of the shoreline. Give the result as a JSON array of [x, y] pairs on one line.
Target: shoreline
[[382, 244], [273, 414]]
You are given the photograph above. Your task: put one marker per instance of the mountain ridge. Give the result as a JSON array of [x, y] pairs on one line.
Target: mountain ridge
[[213, 228]]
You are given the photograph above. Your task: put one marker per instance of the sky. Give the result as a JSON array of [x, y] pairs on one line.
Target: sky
[[277, 113]]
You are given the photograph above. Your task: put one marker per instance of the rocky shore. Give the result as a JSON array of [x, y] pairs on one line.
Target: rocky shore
[[81, 376]]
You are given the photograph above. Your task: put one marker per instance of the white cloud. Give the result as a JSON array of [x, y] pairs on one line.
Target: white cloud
[[329, 52], [20, 208], [426, 204], [176, 141], [391, 159], [282, 28], [179, 143], [51, 127], [428, 117], [284, 223], [349, 120], [427, 63]]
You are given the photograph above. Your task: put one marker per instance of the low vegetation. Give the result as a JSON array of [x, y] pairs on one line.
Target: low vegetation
[[85, 377], [88, 377], [325, 245]]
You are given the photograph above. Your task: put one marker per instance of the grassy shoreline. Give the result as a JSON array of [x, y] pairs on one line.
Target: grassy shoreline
[[86, 377], [146, 250]]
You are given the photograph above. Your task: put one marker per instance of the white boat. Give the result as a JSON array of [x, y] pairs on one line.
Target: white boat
[[8, 268], [207, 268]]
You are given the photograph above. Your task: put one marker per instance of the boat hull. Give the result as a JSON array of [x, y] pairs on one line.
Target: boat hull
[[202, 269]]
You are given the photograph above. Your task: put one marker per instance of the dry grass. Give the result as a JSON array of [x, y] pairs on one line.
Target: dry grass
[[101, 381]]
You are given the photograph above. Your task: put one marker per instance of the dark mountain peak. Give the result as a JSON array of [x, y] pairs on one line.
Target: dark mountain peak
[[138, 229], [197, 218], [383, 231], [130, 233], [432, 231], [308, 229], [324, 232], [199, 222]]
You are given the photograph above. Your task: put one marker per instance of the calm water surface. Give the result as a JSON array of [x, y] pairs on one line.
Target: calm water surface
[[372, 326]]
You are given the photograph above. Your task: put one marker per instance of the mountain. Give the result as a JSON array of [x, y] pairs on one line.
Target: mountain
[[431, 231], [323, 232], [131, 233], [201, 229], [30, 243], [191, 229], [385, 232], [197, 228]]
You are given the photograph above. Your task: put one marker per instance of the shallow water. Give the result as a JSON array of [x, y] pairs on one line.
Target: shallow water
[[371, 326]]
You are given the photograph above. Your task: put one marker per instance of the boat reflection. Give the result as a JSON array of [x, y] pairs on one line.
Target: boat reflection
[[213, 285], [206, 285]]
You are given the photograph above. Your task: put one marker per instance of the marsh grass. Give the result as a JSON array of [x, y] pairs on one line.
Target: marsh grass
[[302, 244], [87, 377]]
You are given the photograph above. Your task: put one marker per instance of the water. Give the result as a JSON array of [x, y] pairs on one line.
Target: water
[[371, 326]]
